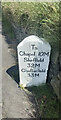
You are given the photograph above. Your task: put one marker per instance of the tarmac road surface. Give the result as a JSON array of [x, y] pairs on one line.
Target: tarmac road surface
[[0, 70], [16, 103]]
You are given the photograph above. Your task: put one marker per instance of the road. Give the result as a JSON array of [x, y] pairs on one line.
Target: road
[[16, 103], [0, 71]]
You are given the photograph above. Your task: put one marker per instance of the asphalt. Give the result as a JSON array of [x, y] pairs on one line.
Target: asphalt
[[16, 102], [0, 71]]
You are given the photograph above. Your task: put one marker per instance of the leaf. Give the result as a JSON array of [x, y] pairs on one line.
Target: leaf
[[21, 86]]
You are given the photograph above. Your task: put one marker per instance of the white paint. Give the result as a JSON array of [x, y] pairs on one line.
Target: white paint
[[33, 58]]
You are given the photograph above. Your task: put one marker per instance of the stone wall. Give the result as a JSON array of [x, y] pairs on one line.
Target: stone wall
[[56, 76]]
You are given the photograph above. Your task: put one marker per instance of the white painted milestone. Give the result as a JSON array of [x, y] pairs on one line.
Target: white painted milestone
[[33, 59]]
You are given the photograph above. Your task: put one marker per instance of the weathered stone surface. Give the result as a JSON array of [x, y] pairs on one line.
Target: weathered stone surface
[[55, 84], [60, 61], [55, 74], [33, 58]]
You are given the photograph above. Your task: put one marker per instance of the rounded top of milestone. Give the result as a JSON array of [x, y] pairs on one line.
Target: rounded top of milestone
[[34, 38]]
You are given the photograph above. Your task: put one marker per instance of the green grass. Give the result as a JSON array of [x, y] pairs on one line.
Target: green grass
[[7, 29], [41, 19], [49, 105], [0, 12], [47, 100]]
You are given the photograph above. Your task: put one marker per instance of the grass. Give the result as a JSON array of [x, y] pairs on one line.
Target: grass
[[47, 100], [41, 19], [0, 12], [8, 29]]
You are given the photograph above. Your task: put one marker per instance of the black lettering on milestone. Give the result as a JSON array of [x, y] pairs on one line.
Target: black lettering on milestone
[[36, 74], [25, 59], [40, 54], [46, 53], [28, 65], [43, 54], [31, 75], [21, 53], [32, 46], [23, 70], [37, 65]]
